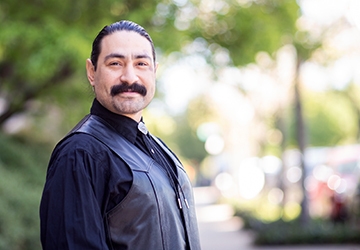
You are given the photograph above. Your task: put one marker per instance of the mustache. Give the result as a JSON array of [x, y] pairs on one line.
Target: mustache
[[125, 87]]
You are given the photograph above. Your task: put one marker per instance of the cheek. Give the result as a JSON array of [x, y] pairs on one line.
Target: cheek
[[151, 92], [152, 88], [102, 91], [149, 81], [104, 82]]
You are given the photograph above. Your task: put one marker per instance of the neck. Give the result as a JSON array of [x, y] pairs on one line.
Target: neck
[[136, 117]]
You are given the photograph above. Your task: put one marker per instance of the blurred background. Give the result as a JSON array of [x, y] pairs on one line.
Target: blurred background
[[259, 98]]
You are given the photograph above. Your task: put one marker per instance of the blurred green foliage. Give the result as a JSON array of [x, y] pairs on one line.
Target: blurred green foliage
[[22, 175], [330, 119]]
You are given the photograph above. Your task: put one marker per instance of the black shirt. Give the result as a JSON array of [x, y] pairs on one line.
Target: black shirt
[[85, 180]]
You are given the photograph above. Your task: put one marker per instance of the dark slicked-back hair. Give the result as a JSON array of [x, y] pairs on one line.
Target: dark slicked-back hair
[[112, 28]]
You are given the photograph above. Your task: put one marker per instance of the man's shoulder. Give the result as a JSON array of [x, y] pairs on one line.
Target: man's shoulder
[[80, 148], [80, 142]]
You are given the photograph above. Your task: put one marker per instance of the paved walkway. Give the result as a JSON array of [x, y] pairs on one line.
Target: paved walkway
[[219, 230]]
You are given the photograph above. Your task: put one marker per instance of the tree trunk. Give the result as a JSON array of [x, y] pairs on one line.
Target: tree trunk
[[301, 140]]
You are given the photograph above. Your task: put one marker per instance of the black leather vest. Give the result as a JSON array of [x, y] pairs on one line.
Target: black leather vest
[[148, 217]]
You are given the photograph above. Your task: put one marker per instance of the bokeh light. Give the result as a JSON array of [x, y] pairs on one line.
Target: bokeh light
[[214, 144], [251, 178], [294, 174]]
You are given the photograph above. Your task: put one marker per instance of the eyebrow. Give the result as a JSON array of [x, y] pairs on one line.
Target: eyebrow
[[121, 56]]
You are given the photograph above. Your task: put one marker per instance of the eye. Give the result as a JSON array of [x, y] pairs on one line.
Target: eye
[[142, 64], [114, 64]]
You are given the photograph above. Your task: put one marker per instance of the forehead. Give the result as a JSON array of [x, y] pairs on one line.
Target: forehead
[[125, 42]]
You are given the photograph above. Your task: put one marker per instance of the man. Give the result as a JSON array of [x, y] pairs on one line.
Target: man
[[110, 184]]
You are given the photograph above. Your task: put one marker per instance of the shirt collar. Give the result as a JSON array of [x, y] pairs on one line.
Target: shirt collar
[[124, 125]]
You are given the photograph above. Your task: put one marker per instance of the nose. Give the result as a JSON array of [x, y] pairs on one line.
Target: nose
[[129, 75]]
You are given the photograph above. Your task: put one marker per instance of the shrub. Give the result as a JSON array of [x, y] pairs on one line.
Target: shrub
[[22, 174]]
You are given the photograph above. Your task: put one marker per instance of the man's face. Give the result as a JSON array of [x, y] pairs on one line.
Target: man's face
[[124, 80]]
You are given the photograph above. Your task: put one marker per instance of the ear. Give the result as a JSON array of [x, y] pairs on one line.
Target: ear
[[90, 71]]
